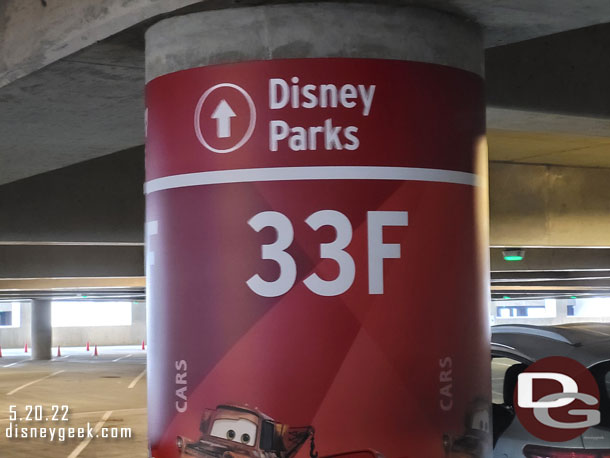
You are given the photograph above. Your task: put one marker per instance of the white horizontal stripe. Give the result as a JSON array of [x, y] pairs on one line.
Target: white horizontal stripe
[[18, 362], [122, 357], [310, 173]]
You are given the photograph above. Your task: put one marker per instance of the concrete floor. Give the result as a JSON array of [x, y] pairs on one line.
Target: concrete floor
[[109, 388], [92, 386]]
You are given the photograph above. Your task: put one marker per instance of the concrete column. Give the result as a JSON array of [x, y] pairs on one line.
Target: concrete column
[[493, 312], [196, 267], [562, 310], [42, 332], [313, 30]]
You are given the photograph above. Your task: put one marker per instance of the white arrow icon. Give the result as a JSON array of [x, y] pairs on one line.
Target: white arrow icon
[[223, 114]]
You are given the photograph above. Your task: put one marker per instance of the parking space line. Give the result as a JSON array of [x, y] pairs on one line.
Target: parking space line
[[122, 357], [10, 393], [13, 364], [86, 442], [137, 379]]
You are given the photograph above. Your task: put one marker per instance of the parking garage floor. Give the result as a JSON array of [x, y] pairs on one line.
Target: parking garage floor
[[103, 395]]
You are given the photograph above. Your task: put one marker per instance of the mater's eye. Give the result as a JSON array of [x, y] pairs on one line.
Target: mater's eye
[[242, 431]]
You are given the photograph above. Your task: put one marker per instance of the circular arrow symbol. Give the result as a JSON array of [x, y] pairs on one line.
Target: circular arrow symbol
[[223, 115]]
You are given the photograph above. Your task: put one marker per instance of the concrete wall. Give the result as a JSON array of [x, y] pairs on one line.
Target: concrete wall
[[78, 336], [16, 337], [106, 335], [531, 205], [538, 205]]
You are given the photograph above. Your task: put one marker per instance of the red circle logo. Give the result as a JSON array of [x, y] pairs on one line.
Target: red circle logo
[[557, 399]]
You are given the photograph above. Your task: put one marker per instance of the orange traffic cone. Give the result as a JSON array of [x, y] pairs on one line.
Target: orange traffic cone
[[87, 345], [95, 351], [26, 347], [143, 346], [58, 351]]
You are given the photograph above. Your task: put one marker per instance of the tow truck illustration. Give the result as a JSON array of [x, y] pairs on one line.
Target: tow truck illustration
[[476, 440], [236, 431]]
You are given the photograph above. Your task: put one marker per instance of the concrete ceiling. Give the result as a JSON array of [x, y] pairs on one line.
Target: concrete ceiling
[[90, 103], [548, 148], [36, 33], [551, 273], [79, 108], [510, 21]]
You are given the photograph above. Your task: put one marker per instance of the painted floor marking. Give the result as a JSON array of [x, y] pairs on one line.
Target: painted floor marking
[[122, 357], [77, 451], [13, 364], [137, 379], [10, 393]]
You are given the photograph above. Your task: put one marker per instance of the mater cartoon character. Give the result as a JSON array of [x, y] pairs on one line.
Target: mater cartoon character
[[233, 431], [476, 440]]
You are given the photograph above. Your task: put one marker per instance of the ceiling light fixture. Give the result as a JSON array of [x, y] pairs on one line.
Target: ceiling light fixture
[[513, 254]]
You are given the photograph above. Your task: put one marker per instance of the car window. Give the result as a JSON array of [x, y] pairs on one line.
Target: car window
[[499, 366], [601, 372]]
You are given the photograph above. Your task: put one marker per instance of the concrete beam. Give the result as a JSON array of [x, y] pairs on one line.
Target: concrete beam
[[538, 121], [564, 74], [100, 200], [552, 283], [107, 288], [77, 283], [553, 260], [553, 276], [551, 273], [34, 34], [537, 206], [40, 261], [547, 291]]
